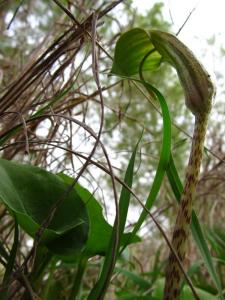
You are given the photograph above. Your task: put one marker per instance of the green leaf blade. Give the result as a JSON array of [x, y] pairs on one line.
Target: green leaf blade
[[131, 47], [100, 230], [30, 193]]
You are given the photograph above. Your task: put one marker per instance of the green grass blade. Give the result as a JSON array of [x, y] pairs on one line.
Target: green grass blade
[[12, 256], [3, 253], [164, 155], [78, 278], [100, 288], [125, 194], [138, 280], [204, 250], [196, 230], [10, 262]]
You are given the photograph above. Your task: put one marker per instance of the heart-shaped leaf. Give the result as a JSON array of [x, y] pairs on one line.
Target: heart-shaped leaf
[[31, 192]]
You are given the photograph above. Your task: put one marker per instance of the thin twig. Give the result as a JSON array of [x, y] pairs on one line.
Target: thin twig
[[185, 21], [14, 15]]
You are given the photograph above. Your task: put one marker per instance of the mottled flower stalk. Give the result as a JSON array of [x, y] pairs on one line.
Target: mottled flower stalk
[[199, 91], [174, 274]]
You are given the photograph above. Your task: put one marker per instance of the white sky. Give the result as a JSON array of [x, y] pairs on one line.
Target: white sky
[[207, 19]]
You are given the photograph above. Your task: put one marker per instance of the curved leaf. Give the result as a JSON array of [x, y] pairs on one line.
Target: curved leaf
[[164, 153], [131, 47]]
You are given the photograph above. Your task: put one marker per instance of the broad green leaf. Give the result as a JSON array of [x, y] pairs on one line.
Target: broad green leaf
[[130, 50], [100, 288], [30, 193], [99, 230]]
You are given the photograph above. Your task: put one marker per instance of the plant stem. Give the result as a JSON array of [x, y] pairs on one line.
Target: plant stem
[[174, 274], [78, 278]]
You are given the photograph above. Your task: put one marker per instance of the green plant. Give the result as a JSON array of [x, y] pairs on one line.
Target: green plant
[[55, 242], [69, 222], [199, 94]]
